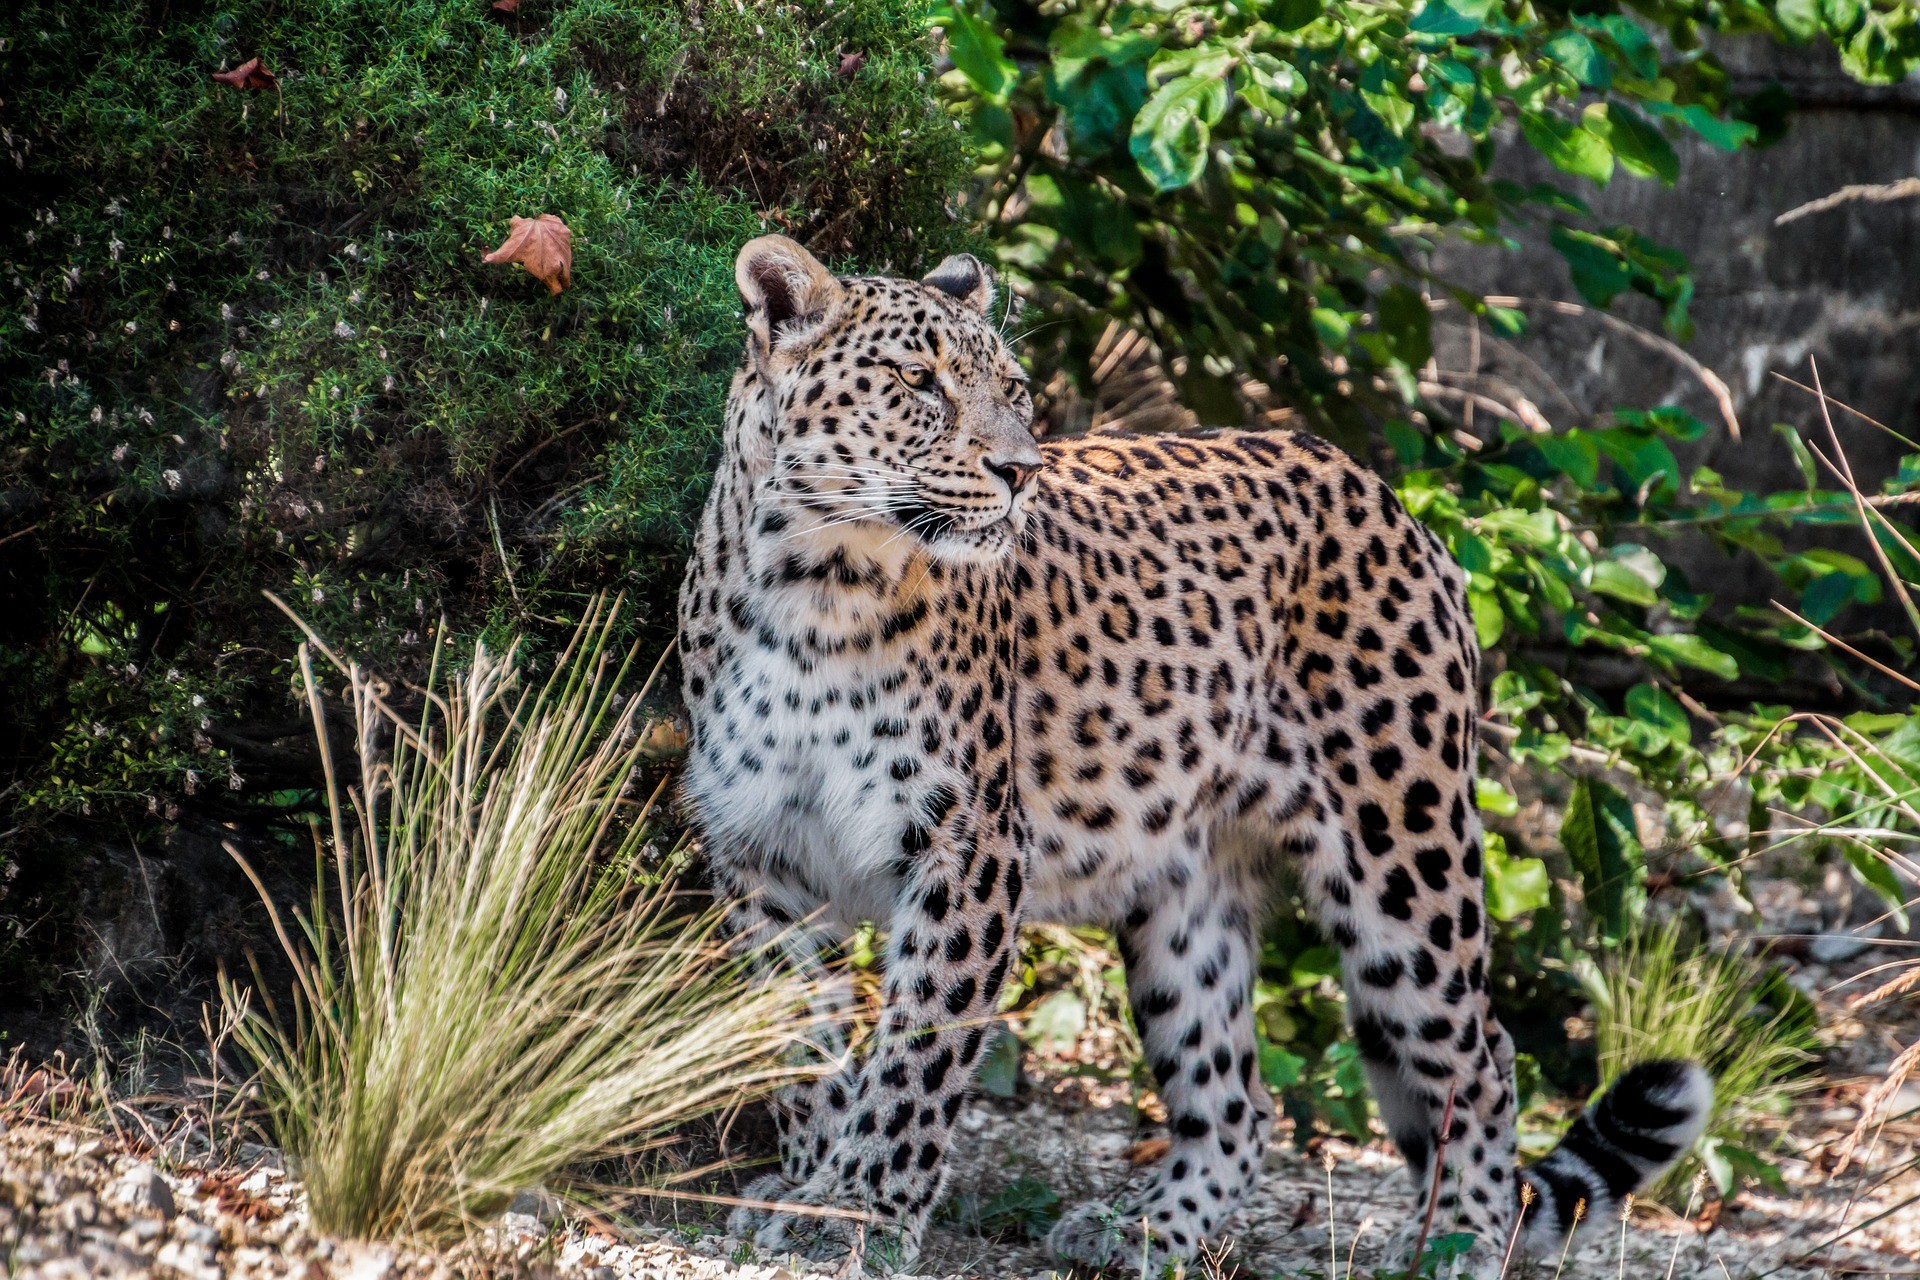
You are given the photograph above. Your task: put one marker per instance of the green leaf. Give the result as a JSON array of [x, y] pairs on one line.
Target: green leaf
[[1824, 597], [1799, 18], [1802, 456], [1438, 18], [1000, 1065], [1407, 324], [1598, 273], [1728, 135], [1568, 145], [1489, 619], [1059, 1019], [1515, 886], [1639, 145], [1630, 573], [1170, 135], [1651, 705], [1490, 797], [1692, 651], [1602, 840], [1581, 58], [1278, 1067], [977, 50], [1879, 877], [1718, 1167]]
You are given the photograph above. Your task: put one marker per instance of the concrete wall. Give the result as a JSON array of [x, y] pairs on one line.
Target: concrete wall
[[1841, 286]]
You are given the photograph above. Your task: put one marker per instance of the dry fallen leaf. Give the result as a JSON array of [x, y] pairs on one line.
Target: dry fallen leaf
[[544, 246], [850, 63], [507, 6], [248, 75], [1148, 1150]]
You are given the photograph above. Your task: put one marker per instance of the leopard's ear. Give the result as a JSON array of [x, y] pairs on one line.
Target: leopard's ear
[[964, 277], [786, 290]]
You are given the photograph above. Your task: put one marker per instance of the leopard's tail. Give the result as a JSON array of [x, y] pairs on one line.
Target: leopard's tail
[[1624, 1139]]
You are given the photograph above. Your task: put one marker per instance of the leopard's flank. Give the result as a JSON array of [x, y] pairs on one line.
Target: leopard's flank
[[946, 679]]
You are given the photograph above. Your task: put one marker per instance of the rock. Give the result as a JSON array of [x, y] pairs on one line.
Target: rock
[[364, 1262], [537, 1202], [142, 1187], [255, 1183], [1831, 948]]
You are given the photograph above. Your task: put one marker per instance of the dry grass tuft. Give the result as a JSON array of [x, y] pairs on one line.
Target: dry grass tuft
[[496, 995]]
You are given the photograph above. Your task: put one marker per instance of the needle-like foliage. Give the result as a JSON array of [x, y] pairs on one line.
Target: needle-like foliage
[[491, 995]]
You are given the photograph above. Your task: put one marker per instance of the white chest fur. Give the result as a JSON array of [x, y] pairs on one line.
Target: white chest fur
[[810, 769]]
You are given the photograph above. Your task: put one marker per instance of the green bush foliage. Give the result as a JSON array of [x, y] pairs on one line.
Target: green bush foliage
[[251, 342]]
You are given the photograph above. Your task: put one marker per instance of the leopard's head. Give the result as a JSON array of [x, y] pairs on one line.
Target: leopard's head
[[893, 413]]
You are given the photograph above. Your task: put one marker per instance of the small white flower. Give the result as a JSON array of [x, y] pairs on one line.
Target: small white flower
[[226, 311], [352, 251], [120, 452], [559, 99], [98, 415], [341, 329], [132, 326], [172, 478], [319, 596], [173, 675], [197, 700], [114, 246]]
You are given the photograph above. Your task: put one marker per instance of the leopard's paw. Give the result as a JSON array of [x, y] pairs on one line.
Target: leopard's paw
[[746, 1220], [830, 1237], [1098, 1234]]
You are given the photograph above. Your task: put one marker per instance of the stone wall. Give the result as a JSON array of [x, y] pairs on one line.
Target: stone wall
[[1840, 286]]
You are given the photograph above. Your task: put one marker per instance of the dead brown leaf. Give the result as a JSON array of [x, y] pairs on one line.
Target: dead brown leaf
[[248, 75], [851, 63], [542, 245], [507, 6], [1147, 1151]]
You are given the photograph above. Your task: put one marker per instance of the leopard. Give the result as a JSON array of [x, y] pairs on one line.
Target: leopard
[[946, 678]]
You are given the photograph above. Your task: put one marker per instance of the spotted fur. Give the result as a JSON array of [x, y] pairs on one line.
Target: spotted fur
[[947, 680]]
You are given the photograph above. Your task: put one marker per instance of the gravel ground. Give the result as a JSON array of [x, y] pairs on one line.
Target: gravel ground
[[76, 1204]]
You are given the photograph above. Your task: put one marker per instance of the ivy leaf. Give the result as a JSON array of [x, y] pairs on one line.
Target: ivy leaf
[[1631, 574], [978, 51], [1406, 324], [1692, 651], [1278, 1067], [543, 246], [1651, 705], [1515, 886], [1639, 146], [1879, 877], [1568, 145], [1602, 840], [1581, 57], [1728, 135], [1171, 133]]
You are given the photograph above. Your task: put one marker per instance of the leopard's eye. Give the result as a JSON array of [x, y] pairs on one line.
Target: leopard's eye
[[1015, 388], [917, 376]]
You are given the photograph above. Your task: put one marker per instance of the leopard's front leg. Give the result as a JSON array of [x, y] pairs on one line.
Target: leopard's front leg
[[951, 942]]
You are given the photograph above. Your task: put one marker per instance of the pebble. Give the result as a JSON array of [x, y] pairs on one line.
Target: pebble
[[142, 1187]]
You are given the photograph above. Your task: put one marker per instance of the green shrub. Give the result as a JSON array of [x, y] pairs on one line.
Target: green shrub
[[251, 343], [487, 994]]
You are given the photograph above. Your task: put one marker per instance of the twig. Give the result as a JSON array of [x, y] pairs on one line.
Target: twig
[[1868, 192], [1433, 1189]]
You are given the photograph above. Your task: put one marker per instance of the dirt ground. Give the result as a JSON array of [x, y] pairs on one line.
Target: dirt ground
[[85, 1204]]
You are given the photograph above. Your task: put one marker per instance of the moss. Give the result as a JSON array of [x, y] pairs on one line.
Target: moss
[[251, 343]]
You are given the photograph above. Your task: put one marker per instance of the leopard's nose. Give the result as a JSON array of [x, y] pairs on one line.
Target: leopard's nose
[[1014, 472]]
